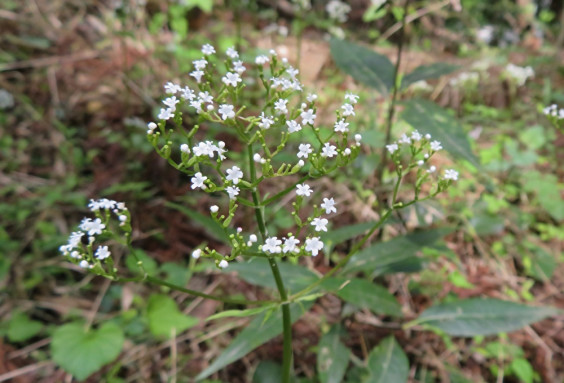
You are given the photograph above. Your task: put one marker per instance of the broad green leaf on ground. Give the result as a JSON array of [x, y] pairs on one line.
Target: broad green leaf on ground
[[165, 317], [82, 352], [540, 264], [21, 327], [365, 294], [426, 72], [397, 254], [364, 65], [387, 363], [213, 228], [258, 272], [332, 357], [478, 316], [548, 191], [428, 117], [259, 331]]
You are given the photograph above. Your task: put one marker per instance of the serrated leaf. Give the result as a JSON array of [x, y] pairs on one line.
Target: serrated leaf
[[394, 254], [365, 294], [425, 72], [259, 331], [478, 316], [258, 272], [165, 317], [387, 363], [332, 357], [213, 228], [428, 117], [82, 352], [364, 65], [21, 328]]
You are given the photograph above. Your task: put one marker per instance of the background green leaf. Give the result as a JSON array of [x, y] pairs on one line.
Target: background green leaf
[[478, 316], [425, 72], [332, 357], [21, 328], [387, 363], [164, 316], [213, 228], [82, 352]]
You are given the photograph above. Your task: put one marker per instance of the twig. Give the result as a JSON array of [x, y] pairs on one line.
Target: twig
[[24, 370]]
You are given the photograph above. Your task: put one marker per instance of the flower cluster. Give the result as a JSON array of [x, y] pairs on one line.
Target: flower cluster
[[338, 10], [518, 75], [465, 80], [554, 111], [80, 245]]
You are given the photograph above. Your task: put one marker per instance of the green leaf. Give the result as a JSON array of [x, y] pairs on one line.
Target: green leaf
[[259, 331], [477, 316], [428, 117], [258, 272], [240, 313], [522, 369], [394, 254], [345, 233], [424, 72], [364, 65], [164, 317], [267, 372], [213, 228], [332, 357], [82, 352], [366, 294], [21, 328], [387, 363], [548, 191]]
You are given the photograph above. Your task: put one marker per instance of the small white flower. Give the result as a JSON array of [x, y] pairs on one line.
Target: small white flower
[[432, 169], [265, 121], [341, 126], [320, 224], [290, 245], [257, 157], [208, 49], [436, 146], [214, 208], [171, 102], [239, 67], [184, 148], [198, 181], [102, 252], [226, 111], [253, 238], [187, 93], [404, 139], [92, 227], [232, 191], [261, 60], [301, 163], [311, 97], [416, 136], [303, 189], [308, 117], [197, 74], [205, 97], [329, 150], [234, 174], [293, 126], [165, 114], [357, 138], [272, 245], [280, 106], [305, 150], [427, 136], [420, 162], [329, 205], [293, 72], [200, 64], [197, 104], [151, 126], [171, 88], [231, 79], [313, 245], [223, 264], [84, 264], [352, 98], [392, 148], [197, 253], [451, 174], [231, 52], [348, 110], [122, 218], [347, 151]]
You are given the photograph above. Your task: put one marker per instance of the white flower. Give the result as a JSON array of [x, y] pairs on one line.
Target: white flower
[[214, 208], [311, 97], [239, 67], [338, 10], [197, 253], [451, 174], [205, 97], [151, 127], [122, 218], [303, 189], [404, 139], [92, 227], [436, 145], [165, 114], [234, 174], [105, 203], [184, 148], [197, 74], [357, 138], [187, 93], [102, 252], [253, 238], [308, 117], [204, 149], [272, 245], [305, 150], [293, 72], [226, 111], [301, 163], [348, 110], [352, 98], [197, 104], [171, 88], [293, 126], [329, 150], [320, 224], [290, 245], [420, 162], [329, 205], [200, 64], [416, 136], [392, 148], [432, 169], [231, 52], [347, 151], [341, 126], [313, 245], [223, 264], [427, 136], [84, 264], [265, 122], [280, 106], [261, 60], [231, 79], [198, 181], [232, 191], [171, 102], [207, 49]]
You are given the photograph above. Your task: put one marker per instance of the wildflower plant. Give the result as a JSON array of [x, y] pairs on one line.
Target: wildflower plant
[[285, 124]]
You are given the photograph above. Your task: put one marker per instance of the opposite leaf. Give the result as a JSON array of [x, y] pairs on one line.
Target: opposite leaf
[[82, 352], [387, 363]]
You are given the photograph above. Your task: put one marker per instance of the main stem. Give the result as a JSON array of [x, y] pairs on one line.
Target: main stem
[[286, 317]]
